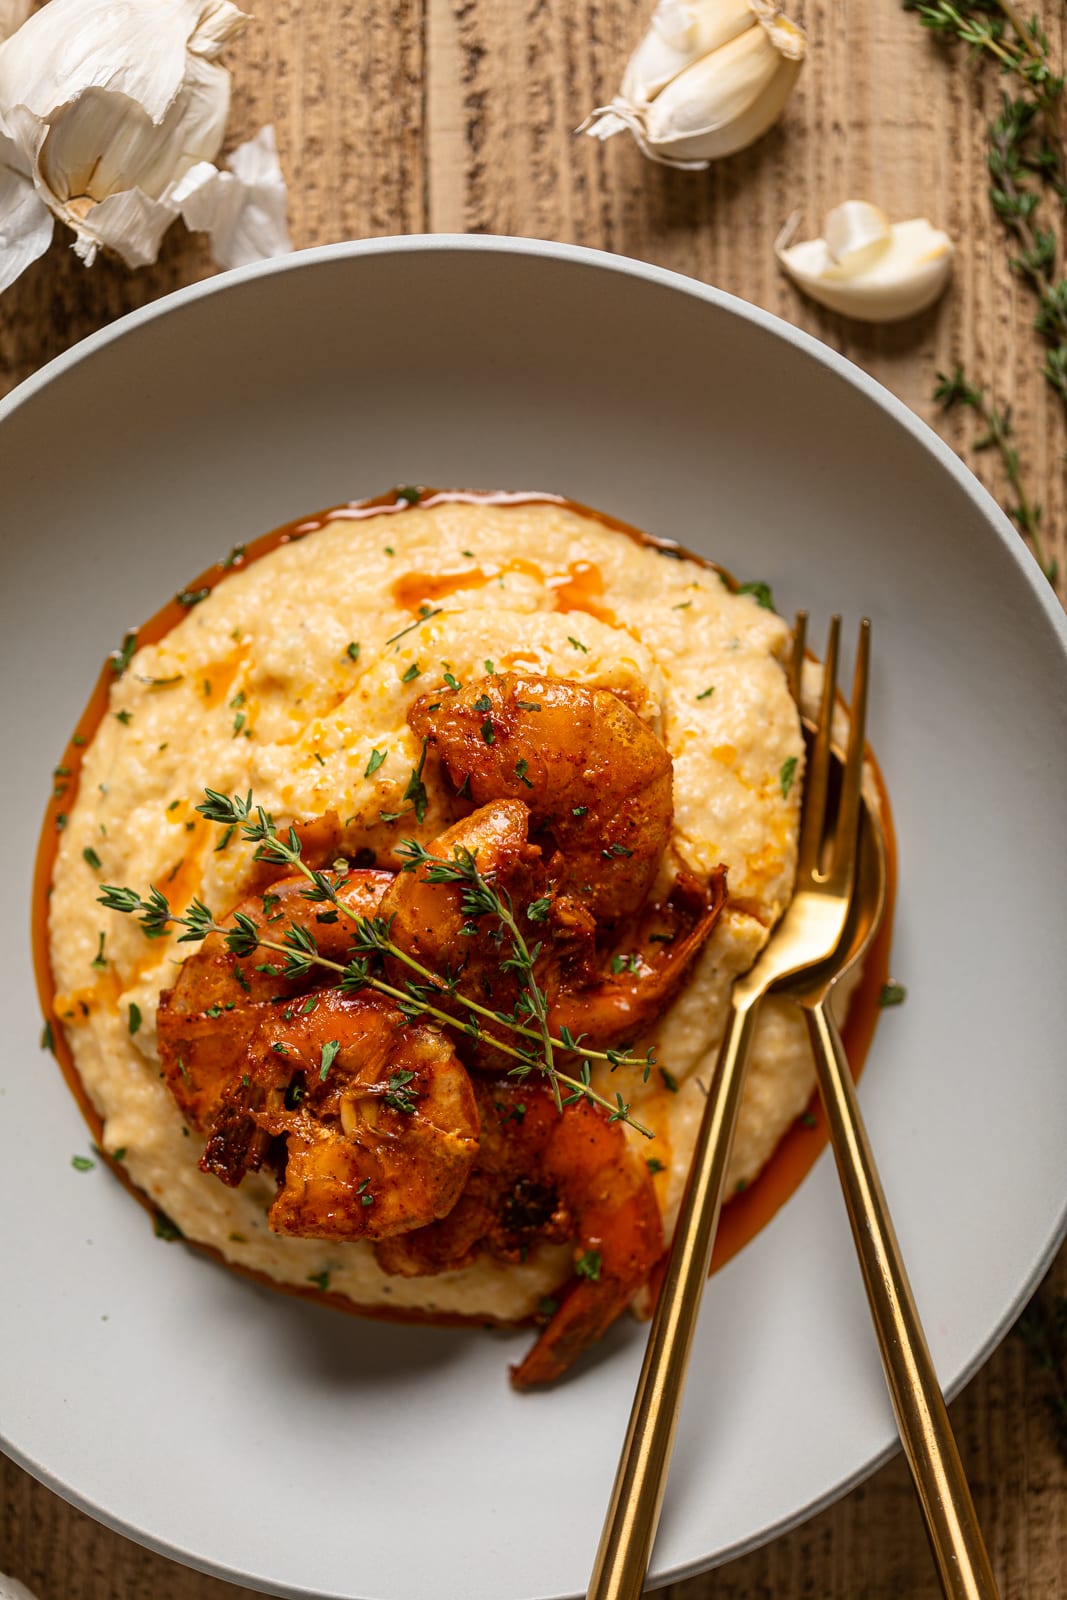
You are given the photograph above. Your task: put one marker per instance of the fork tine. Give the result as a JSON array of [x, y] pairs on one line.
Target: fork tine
[[795, 670], [818, 773], [845, 833]]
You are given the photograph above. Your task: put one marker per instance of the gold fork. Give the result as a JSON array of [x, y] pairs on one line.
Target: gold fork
[[807, 937], [922, 1420]]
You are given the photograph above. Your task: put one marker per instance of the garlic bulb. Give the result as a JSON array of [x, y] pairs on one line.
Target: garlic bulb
[[106, 108], [866, 266], [708, 78]]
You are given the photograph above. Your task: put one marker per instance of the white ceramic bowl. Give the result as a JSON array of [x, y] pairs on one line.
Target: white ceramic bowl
[[280, 1444]]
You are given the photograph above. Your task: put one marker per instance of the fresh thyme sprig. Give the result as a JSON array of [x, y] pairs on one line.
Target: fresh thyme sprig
[[372, 940], [1028, 193], [996, 434], [372, 933]]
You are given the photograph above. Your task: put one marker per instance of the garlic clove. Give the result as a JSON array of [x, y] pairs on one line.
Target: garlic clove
[[708, 78], [875, 280], [855, 231], [679, 35], [721, 104]]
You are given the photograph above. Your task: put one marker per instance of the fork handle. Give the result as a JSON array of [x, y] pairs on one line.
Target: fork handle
[[922, 1420], [633, 1512]]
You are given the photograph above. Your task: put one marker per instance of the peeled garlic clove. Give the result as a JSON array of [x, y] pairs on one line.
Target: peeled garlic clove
[[708, 79], [855, 230], [679, 35], [866, 267]]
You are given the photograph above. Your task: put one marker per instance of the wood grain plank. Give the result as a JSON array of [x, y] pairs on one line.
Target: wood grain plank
[[399, 115]]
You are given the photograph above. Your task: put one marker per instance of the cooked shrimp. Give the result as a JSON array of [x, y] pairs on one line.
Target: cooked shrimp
[[207, 1020], [645, 972], [596, 779], [428, 921], [545, 1176], [377, 1114]]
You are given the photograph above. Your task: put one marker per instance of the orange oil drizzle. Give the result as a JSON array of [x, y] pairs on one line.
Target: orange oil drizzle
[[577, 589]]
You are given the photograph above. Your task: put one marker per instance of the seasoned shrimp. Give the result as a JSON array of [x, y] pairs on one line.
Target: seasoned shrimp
[[545, 1176], [596, 779], [377, 1114], [645, 972], [427, 920], [207, 1020]]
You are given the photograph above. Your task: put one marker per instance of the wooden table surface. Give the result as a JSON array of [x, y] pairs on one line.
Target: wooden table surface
[[403, 116]]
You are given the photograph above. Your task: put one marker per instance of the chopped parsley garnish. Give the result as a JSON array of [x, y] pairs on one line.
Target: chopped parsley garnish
[[527, 705], [489, 667], [82, 1163], [226, 837], [191, 597], [670, 1082], [892, 994], [577, 643], [579, 811], [125, 717], [99, 961], [654, 1165], [121, 658], [483, 703], [410, 494], [706, 694], [538, 910], [683, 605], [352, 652], [321, 1280], [760, 592], [135, 1018], [787, 774], [522, 767], [91, 859], [453, 682], [398, 1096], [389, 550], [412, 673], [588, 1265], [487, 731], [377, 757], [329, 1056], [48, 1038], [808, 1121], [546, 1306], [236, 555], [238, 724], [164, 1228], [416, 789]]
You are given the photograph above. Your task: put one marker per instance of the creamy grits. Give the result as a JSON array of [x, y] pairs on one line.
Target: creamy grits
[[293, 678]]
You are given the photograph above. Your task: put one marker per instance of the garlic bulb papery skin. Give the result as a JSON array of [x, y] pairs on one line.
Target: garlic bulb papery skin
[[867, 267], [105, 107], [708, 78]]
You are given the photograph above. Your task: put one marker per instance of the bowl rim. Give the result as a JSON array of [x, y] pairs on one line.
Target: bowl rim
[[1040, 590], [584, 256]]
